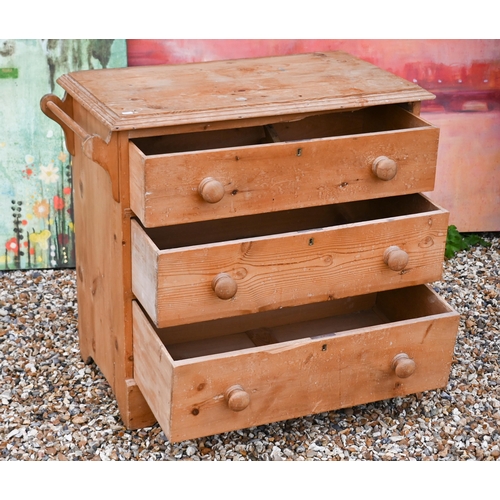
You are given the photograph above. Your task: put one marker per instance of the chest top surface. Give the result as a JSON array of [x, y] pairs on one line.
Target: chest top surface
[[166, 95]]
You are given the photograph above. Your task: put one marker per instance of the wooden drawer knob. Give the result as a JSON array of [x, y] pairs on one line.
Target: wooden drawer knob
[[237, 398], [224, 286], [384, 168], [395, 258], [403, 365], [211, 190]]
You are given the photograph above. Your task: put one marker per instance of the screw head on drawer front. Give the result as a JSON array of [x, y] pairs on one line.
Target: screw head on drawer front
[[384, 168], [237, 398], [403, 366], [395, 258], [211, 190], [224, 286]]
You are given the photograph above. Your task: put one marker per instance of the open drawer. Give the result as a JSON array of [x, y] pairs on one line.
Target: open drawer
[[221, 268], [235, 373], [328, 158]]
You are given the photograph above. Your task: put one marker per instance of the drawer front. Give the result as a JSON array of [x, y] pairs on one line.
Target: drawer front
[[208, 394], [228, 278], [223, 182]]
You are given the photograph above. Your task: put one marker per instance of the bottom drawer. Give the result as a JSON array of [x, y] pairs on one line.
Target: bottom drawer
[[223, 375]]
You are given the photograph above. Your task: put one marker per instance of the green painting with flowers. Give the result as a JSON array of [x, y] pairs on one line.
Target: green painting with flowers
[[41, 224], [36, 208]]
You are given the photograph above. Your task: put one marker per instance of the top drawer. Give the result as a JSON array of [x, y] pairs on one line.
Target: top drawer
[[327, 158]]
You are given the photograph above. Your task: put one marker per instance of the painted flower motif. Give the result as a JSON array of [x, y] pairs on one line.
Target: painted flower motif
[[49, 174], [29, 159], [63, 239], [67, 191], [41, 209], [62, 156], [58, 203], [27, 172], [41, 238], [12, 246]]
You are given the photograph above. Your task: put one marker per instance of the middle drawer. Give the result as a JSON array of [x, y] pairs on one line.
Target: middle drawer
[[216, 269]]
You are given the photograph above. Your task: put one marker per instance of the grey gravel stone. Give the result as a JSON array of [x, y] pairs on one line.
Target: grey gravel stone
[[54, 407]]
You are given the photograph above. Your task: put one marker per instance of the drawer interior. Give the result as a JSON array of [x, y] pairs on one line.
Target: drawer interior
[[280, 222], [374, 119], [311, 321]]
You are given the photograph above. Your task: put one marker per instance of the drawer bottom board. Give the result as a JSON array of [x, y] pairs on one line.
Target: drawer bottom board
[[292, 362]]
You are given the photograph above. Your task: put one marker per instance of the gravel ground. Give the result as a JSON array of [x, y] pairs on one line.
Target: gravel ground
[[54, 407]]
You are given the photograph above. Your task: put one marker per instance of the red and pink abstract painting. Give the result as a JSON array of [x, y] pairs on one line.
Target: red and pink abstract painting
[[463, 74]]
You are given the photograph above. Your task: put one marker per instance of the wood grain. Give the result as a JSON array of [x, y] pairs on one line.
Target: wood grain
[[153, 369], [256, 326], [102, 230], [297, 377], [283, 270], [299, 173], [300, 230], [159, 96]]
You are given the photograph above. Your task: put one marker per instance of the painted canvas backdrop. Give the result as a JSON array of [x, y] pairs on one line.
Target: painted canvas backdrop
[[36, 211], [464, 75]]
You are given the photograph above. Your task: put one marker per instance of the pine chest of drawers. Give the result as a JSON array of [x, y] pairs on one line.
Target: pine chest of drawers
[[251, 241]]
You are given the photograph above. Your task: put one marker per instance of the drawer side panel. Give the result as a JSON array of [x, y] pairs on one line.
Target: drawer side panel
[[144, 269], [138, 192], [153, 368]]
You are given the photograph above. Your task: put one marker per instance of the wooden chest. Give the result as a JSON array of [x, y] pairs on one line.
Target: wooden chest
[[251, 241]]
